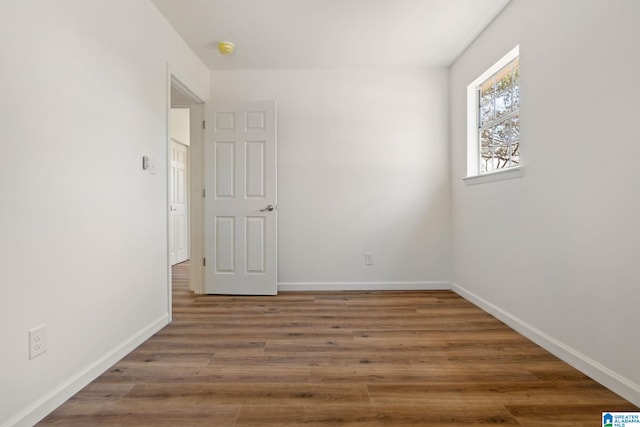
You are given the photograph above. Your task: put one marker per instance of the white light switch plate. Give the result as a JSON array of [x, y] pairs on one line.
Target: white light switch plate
[[152, 165]]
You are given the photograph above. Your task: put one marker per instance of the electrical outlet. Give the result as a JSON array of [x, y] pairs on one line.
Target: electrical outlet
[[37, 341], [368, 258]]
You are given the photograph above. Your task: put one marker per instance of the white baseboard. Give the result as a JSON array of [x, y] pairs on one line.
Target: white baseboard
[[56, 397], [605, 376], [363, 286]]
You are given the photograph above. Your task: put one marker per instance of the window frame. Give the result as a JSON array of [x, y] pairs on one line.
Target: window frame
[[474, 175]]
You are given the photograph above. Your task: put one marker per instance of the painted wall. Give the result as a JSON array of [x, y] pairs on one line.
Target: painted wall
[[554, 253], [179, 126], [362, 166], [84, 228]]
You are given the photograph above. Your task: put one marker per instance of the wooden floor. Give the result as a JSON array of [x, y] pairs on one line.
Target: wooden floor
[[337, 359]]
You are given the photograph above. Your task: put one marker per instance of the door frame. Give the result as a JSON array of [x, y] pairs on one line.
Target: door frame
[[195, 178]]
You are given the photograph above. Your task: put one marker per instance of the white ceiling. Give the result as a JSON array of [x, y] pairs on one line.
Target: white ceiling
[[272, 34]]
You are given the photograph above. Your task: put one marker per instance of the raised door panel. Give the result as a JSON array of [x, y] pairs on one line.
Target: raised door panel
[[225, 170], [225, 245], [255, 236], [255, 170]]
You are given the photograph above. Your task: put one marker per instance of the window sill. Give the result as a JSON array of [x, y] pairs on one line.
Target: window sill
[[500, 175]]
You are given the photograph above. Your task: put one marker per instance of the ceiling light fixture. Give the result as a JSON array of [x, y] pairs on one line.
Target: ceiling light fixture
[[226, 48]]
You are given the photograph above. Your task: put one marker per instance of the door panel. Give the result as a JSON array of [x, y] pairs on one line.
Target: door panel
[[225, 170], [240, 168], [225, 244], [255, 170], [255, 233]]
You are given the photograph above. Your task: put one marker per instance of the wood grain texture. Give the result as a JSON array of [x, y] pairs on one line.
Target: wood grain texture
[[419, 358]]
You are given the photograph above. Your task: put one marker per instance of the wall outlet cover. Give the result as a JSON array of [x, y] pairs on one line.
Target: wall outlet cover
[[37, 341]]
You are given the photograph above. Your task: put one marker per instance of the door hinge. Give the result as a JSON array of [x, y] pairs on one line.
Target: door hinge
[[204, 262], [204, 193], [204, 124]]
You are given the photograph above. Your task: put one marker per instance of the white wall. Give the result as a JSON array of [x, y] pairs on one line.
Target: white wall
[[84, 228], [362, 166], [554, 253], [179, 126]]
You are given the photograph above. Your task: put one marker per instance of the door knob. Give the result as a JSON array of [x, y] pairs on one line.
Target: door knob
[[269, 208]]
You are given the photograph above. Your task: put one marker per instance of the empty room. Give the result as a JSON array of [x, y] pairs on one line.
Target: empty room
[[319, 212]]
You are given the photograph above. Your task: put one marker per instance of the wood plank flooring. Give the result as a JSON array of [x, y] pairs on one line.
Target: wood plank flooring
[[336, 359]]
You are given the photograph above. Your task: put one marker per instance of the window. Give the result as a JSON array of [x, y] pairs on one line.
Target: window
[[499, 119], [493, 136]]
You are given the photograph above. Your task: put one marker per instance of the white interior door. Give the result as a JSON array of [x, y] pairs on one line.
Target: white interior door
[[178, 224], [240, 203]]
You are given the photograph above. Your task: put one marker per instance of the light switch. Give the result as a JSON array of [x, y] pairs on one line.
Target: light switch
[[152, 165]]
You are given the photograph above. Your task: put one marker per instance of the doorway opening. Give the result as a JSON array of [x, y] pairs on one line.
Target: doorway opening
[[179, 130], [184, 186]]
